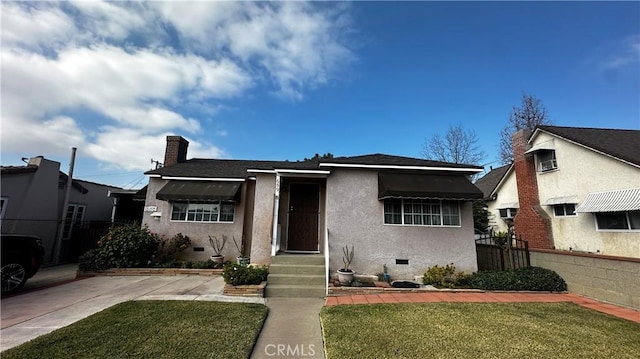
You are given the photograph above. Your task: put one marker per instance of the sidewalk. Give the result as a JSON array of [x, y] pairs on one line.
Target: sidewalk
[[487, 297]]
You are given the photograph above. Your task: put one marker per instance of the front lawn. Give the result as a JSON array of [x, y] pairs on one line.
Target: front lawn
[[154, 329], [476, 330]]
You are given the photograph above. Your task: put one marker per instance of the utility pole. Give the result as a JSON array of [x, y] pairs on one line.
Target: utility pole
[[67, 193]]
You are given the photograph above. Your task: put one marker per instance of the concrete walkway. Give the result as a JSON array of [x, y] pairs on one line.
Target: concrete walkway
[[487, 297], [292, 329]]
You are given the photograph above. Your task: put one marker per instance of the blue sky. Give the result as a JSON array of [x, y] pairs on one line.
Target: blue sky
[[284, 81]]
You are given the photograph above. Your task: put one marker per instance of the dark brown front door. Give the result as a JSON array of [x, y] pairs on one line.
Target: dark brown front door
[[303, 217]]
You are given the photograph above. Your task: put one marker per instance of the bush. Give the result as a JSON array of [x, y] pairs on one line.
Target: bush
[[92, 261], [170, 249], [236, 274], [531, 278], [443, 277], [122, 247]]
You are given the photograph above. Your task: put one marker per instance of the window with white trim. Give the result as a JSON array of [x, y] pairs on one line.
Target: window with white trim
[[508, 212], [565, 209], [3, 206], [547, 160], [421, 212], [217, 211], [618, 220], [74, 216]]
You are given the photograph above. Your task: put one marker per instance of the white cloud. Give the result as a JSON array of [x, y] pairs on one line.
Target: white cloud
[[99, 74], [625, 53]]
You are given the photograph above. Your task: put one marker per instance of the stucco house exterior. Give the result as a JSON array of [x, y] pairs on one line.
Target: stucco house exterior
[[32, 201], [571, 189], [404, 212]]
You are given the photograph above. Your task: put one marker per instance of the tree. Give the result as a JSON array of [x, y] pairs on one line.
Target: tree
[[528, 116], [457, 146], [326, 156]]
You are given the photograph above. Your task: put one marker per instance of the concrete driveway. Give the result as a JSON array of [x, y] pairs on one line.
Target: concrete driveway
[[41, 309]]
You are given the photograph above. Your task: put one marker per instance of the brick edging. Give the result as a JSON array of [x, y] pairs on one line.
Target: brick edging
[[249, 290]]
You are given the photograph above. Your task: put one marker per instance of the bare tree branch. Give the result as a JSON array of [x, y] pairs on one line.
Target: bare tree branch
[[528, 116], [457, 146]]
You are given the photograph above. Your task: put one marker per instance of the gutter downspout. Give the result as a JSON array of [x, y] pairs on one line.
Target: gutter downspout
[[276, 209], [65, 204]]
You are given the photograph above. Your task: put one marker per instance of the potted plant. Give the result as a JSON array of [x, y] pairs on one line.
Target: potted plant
[[217, 243], [241, 259], [345, 274]]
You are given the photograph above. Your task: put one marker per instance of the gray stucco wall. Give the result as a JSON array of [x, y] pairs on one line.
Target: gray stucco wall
[[610, 279], [263, 219], [197, 232], [99, 205], [32, 206], [355, 217]]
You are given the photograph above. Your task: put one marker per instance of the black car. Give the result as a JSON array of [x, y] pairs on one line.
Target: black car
[[21, 258]]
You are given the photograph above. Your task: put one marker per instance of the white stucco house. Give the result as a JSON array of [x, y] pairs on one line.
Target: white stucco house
[[404, 212], [580, 188]]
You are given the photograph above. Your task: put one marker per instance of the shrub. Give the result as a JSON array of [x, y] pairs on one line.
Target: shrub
[[92, 261], [122, 247], [170, 249], [531, 278], [443, 277], [236, 274]]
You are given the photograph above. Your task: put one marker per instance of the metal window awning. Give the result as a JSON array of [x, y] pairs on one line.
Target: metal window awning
[[200, 191], [426, 186], [509, 205], [542, 146], [561, 200], [611, 201]]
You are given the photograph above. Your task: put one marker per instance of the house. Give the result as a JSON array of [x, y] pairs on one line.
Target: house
[[571, 189], [32, 200], [404, 212]]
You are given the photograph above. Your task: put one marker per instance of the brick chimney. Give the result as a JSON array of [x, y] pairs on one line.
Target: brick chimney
[[176, 150], [531, 221]]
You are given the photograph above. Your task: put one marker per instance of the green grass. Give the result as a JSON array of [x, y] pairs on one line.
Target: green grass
[[154, 329], [476, 330]]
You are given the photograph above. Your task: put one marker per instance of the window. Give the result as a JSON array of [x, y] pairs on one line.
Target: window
[[3, 206], [203, 212], [508, 212], [566, 209], [618, 220], [75, 215], [421, 212], [547, 160]]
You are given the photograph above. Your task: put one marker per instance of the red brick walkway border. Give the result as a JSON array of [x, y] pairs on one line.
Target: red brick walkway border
[[486, 297]]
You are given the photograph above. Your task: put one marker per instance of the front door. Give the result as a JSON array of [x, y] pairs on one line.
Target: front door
[[304, 201]]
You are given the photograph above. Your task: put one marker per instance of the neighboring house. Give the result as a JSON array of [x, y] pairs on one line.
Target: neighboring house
[[574, 189], [33, 199], [500, 210], [404, 212], [128, 205]]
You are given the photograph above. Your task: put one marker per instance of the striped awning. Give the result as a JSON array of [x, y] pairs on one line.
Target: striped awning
[[611, 201], [561, 200]]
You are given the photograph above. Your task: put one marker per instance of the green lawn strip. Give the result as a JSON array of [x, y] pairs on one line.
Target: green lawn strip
[[476, 330], [154, 329]]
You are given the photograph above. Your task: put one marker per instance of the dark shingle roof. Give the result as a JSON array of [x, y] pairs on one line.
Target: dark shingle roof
[[388, 160], [199, 167], [622, 144], [12, 170], [490, 181]]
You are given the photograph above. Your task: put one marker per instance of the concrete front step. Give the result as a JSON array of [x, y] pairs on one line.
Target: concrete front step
[[296, 279], [294, 291], [308, 259], [296, 269]]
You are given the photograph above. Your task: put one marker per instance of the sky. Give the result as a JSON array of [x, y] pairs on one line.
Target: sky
[[287, 80]]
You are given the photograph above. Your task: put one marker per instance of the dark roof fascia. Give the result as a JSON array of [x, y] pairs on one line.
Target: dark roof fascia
[[573, 135]]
